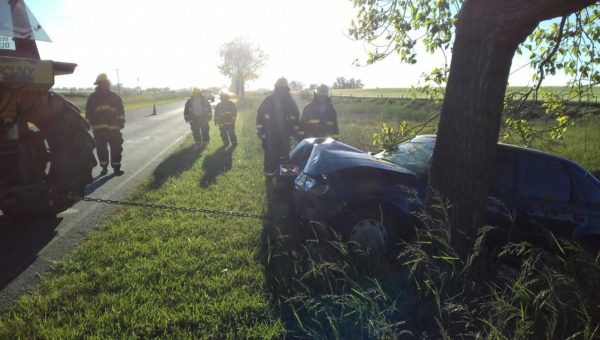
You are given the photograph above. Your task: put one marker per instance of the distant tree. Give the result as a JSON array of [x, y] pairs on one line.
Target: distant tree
[[313, 87], [241, 62], [296, 85], [484, 35], [356, 84], [343, 83], [340, 83]]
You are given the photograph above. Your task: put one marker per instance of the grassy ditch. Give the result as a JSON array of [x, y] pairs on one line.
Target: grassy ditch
[[151, 273]]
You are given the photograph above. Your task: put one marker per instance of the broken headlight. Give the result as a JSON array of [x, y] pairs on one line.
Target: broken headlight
[[310, 185]]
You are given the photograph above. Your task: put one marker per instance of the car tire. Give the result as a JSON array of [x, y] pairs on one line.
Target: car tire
[[369, 228], [71, 163]]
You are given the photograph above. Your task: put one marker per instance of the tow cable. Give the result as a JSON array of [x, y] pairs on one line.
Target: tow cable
[[170, 207]]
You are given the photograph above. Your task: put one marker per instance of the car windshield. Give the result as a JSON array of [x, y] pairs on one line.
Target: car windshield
[[412, 155]]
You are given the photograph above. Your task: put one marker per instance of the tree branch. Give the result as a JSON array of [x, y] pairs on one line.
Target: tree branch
[[551, 54]]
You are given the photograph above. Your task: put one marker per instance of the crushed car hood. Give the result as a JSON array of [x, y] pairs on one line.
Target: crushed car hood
[[333, 156]]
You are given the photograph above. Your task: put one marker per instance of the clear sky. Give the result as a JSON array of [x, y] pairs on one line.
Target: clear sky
[[175, 43]]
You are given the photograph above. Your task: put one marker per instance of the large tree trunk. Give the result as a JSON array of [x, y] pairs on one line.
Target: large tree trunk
[[488, 33]]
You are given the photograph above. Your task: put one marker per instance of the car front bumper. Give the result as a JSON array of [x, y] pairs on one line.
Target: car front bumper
[[307, 207]]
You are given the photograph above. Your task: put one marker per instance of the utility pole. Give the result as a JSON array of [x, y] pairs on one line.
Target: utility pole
[[118, 82]]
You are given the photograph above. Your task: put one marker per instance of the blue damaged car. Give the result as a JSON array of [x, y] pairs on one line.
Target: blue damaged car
[[370, 198]]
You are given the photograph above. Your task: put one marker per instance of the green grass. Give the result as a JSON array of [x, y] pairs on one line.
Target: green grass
[[408, 93], [360, 119], [150, 273], [581, 142], [377, 92]]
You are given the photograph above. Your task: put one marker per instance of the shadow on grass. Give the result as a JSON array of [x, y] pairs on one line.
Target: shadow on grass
[[176, 164], [314, 278], [216, 164], [281, 256], [21, 239]]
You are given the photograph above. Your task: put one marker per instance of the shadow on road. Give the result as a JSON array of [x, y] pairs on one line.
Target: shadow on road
[[176, 164], [97, 183], [20, 242], [214, 165]]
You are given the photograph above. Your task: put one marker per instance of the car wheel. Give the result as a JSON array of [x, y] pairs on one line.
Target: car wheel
[[369, 228], [66, 172]]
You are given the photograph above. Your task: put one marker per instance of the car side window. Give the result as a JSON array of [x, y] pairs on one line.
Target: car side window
[[587, 185], [543, 178], [505, 174]]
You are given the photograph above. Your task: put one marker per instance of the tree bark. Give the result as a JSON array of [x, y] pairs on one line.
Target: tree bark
[[488, 33]]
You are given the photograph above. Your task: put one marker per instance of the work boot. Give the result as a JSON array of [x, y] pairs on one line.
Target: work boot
[[118, 172], [104, 171]]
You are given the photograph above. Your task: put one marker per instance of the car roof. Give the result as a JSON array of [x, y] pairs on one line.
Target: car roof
[[430, 138]]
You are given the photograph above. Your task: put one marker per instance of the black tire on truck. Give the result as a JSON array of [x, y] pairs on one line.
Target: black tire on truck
[[66, 167]]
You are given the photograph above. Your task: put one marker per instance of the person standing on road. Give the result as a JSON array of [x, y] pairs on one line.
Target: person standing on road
[[198, 113], [276, 123], [106, 114], [225, 116], [319, 118]]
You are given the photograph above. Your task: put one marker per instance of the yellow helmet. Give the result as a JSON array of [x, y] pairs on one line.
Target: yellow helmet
[[102, 78], [322, 90], [225, 94], [282, 82], [196, 91]]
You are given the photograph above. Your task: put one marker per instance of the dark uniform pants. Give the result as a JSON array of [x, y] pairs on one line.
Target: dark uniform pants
[[104, 139], [200, 130], [276, 148], [228, 134]]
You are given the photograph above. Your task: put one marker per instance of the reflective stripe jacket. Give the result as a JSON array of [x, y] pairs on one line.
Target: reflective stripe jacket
[[105, 111], [277, 117], [197, 108], [225, 113], [319, 119]]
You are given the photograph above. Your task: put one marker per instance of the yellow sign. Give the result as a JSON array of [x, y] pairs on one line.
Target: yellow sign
[[26, 74]]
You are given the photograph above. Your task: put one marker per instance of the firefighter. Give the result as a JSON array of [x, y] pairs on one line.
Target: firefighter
[[276, 123], [198, 113], [225, 115], [104, 110], [319, 118]]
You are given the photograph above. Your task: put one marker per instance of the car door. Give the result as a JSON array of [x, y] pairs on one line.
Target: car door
[[588, 190], [501, 203], [546, 198]]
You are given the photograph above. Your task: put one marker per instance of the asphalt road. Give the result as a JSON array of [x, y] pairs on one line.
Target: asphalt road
[[28, 249]]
